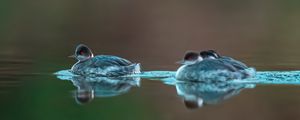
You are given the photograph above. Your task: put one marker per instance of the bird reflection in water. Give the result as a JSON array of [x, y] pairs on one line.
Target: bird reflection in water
[[89, 88], [198, 94]]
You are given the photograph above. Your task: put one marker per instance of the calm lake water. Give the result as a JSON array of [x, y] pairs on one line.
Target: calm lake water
[[29, 90], [37, 36]]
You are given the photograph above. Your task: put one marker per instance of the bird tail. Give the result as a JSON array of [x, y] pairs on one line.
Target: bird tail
[[135, 68], [248, 73]]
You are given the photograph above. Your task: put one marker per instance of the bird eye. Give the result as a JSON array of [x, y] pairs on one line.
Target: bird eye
[[81, 52], [191, 56]]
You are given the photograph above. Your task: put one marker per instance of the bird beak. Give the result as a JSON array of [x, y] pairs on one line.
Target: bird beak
[[72, 56]]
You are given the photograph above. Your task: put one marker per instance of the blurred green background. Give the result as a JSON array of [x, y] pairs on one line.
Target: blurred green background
[[36, 36]]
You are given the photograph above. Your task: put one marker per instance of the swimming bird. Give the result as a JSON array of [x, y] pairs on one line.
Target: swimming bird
[[101, 65], [196, 68]]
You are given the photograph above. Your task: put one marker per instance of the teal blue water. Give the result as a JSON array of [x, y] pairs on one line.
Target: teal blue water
[[195, 94], [31, 94], [261, 77]]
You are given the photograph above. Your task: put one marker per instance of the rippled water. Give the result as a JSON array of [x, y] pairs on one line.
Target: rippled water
[[37, 93], [64, 94], [29, 89]]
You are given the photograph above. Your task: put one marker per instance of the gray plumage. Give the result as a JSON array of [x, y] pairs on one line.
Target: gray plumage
[[105, 65], [237, 64], [210, 70]]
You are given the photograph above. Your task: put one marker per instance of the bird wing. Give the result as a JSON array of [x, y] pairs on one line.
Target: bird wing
[[237, 64], [107, 60], [215, 65]]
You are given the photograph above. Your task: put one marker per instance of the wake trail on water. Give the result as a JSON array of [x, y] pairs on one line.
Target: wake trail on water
[[261, 77]]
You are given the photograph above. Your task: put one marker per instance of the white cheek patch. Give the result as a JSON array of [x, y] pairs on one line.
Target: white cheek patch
[[189, 62], [200, 58], [80, 57], [215, 54], [211, 57]]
